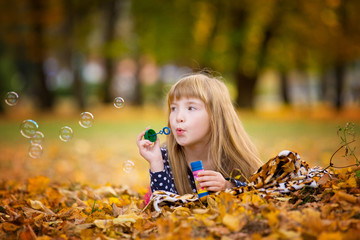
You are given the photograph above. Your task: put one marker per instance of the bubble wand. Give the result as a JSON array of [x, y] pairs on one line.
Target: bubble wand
[[151, 135]]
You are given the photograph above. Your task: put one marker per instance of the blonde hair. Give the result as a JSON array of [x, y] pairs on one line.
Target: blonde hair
[[230, 147]]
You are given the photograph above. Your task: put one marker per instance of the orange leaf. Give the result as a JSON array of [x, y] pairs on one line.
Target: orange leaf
[[9, 227]]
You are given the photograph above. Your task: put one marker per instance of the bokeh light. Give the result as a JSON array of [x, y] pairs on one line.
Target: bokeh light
[[28, 128], [119, 102], [86, 119], [66, 134], [11, 98]]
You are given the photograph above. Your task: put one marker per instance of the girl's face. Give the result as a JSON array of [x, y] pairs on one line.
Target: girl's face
[[189, 122]]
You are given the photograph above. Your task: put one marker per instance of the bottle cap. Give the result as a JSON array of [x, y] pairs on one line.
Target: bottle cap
[[150, 135], [195, 166]]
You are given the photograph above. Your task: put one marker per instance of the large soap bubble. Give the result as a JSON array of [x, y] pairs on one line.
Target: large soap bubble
[[11, 98], [37, 138], [119, 102], [86, 119], [66, 134], [35, 150], [128, 166], [28, 128]]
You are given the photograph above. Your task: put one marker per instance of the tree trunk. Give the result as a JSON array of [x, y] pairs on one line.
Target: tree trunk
[[71, 57], [111, 10], [78, 85], [245, 87], [45, 96], [284, 88], [339, 85], [324, 82]]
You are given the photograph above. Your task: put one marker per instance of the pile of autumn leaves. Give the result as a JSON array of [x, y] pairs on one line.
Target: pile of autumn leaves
[[40, 209]]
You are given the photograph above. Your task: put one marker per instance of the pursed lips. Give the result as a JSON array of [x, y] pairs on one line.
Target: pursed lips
[[180, 131]]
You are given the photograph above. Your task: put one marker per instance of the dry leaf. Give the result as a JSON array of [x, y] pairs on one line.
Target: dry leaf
[[234, 222], [126, 218], [103, 223], [9, 227]]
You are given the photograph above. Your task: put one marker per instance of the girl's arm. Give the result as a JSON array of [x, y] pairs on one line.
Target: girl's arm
[[163, 180], [150, 152]]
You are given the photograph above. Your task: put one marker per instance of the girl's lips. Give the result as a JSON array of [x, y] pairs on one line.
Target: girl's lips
[[180, 131]]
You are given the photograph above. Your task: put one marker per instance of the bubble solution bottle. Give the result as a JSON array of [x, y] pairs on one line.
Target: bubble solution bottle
[[196, 167]]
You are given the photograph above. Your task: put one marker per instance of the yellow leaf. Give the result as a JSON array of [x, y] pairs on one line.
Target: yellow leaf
[[182, 211], [103, 223], [106, 191], [234, 222], [200, 210], [114, 200], [36, 205], [351, 182], [347, 197], [132, 217]]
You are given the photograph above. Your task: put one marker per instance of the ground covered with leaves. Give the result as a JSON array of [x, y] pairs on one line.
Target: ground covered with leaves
[[41, 209]]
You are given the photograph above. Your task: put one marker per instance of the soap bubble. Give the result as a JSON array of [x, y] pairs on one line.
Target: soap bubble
[[119, 102], [11, 98], [37, 138], [128, 166], [28, 128], [86, 119], [35, 150], [66, 134]]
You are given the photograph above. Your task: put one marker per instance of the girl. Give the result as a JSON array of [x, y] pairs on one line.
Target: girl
[[204, 126]]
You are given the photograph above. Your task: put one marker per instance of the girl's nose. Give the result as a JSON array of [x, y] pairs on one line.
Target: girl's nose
[[179, 116]]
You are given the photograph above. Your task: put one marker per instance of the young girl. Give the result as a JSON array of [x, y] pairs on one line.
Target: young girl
[[204, 126]]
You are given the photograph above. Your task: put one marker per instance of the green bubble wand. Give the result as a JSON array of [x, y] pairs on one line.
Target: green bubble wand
[[151, 135]]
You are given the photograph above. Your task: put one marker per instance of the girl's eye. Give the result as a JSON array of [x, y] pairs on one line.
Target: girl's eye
[[191, 108], [172, 108]]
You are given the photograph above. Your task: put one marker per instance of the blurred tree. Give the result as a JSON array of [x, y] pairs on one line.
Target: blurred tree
[[76, 30], [111, 9], [24, 27], [327, 32]]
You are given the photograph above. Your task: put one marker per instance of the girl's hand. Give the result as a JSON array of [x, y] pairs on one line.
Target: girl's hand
[[151, 152], [213, 181]]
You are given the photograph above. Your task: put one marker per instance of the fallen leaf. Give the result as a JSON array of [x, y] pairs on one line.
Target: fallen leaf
[[9, 227], [234, 222], [103, 223], [126, 218]]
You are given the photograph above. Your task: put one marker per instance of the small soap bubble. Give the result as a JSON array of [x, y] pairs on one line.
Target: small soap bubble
[[128, 166], [11, 98], [119, 102], [28, 128], [35, 150], [37, 138], [86, 119], [66, 134]]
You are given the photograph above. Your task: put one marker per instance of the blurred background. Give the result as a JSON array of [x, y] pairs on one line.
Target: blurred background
[[292, 68]]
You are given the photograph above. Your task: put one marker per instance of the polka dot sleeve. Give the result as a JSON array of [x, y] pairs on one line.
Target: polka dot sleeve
[[163, 180]]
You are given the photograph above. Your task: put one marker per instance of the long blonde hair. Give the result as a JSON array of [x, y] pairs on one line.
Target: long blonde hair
[[230, 147]]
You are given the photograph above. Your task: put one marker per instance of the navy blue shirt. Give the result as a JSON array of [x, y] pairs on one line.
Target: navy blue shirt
[[163, 180]]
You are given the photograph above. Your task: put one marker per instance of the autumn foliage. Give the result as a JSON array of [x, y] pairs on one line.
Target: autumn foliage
[[43, 209]]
